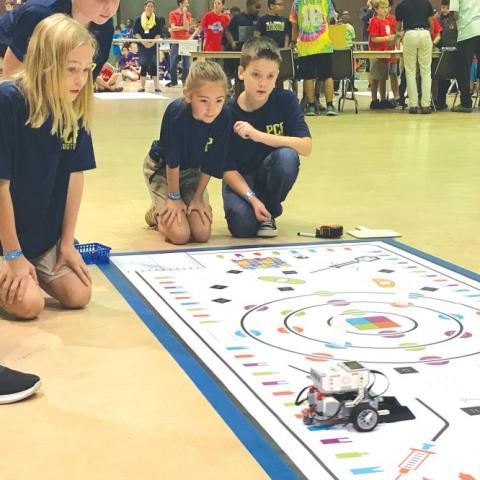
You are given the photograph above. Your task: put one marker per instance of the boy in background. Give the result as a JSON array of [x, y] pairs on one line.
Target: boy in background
[[274, 26], [382, 37], [213, 25], [310, 20]]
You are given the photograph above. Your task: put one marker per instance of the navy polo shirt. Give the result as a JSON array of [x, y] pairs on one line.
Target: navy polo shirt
[[188, 143], [16, 28], [38, 166], [281, 115]]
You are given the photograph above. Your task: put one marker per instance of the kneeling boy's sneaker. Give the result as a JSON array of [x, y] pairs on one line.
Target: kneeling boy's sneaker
[[268, 229], [151, 217], [15, 386], [331, 112]]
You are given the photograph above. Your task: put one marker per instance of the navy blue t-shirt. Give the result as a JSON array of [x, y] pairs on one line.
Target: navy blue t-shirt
[[38, 166], [6, 22], [281, 115], [188, 143], [17, 27], [274, 27]]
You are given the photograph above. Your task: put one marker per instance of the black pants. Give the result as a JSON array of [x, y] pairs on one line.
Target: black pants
[[443, 86], [465, 52], [147, 57]]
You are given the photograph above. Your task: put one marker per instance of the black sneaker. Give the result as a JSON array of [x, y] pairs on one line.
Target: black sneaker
[[15, 386], [376, 105], [387, 104], [171, 84], [267, 229]]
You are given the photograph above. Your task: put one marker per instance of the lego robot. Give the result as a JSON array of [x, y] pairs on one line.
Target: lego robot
[[343, 394]]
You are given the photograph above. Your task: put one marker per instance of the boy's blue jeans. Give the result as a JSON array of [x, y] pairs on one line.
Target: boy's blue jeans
[[271, 182]]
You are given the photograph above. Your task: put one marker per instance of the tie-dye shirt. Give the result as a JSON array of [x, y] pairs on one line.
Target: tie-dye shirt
[[312, 17]]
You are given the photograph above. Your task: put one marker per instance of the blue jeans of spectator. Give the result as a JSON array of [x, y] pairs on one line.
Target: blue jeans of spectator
[[174, 59], [271, 183]]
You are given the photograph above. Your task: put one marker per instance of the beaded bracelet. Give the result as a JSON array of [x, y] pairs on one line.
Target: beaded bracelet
[[12, 255], [174, 195]]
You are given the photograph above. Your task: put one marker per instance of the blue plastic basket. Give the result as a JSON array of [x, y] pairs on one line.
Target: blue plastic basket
[[94, 253]]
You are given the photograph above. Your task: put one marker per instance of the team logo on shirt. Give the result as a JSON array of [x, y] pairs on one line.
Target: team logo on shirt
[[216, 27], [209, 144], [275, 129], [69, 140], [275, 26]]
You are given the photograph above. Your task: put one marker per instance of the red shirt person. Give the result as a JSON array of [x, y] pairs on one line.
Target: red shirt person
[[382, 28], [180, 21], [213, 25]]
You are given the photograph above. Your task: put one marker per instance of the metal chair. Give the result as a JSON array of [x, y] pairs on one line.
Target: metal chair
[[344, 71], [446, 69]]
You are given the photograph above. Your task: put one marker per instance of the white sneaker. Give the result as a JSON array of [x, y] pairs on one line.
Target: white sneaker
[[268, 229]]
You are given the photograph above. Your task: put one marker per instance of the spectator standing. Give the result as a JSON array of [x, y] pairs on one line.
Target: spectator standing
[[467, 14], [147, 27], [310, 20], [242, 25], [448, 23], [416, 19], [213, 26], [274, 26], [366, 13], [180, 21]]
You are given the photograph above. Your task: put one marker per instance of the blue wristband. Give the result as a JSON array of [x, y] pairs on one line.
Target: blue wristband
[[249, 194], [13, 255], [174, 195]]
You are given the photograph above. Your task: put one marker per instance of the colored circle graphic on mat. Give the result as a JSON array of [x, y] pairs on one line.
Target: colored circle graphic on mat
[[367, 327]]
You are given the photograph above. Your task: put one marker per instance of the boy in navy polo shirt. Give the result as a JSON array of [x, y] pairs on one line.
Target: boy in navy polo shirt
[[270, 134], [17, 27]]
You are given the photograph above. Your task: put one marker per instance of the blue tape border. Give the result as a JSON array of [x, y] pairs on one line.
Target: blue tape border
[[252, 436]]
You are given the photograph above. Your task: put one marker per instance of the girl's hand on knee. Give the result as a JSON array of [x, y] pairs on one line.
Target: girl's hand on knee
[[203, 208], [14, 277], [173, 210], [70, 257]]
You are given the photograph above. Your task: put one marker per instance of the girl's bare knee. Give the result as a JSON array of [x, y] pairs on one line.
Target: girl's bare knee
[[201, 235], [76, 297], [28, 308], [178, 235]]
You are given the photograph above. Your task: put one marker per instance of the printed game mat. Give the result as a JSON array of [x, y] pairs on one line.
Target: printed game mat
[[256, 319]]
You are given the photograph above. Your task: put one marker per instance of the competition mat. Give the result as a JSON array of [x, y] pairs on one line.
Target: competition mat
[[248, 323]]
